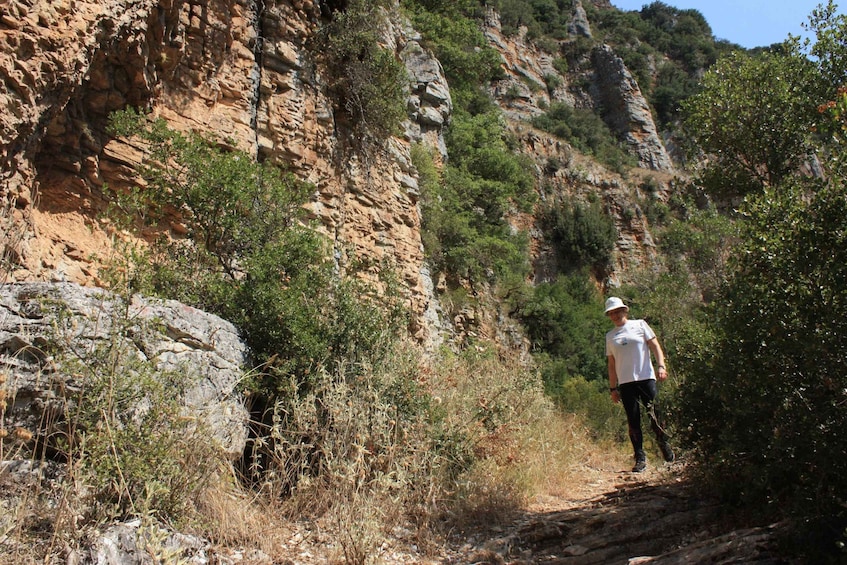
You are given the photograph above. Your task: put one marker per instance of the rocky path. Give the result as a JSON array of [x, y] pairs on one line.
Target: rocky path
[[654, 517], [610, 517]]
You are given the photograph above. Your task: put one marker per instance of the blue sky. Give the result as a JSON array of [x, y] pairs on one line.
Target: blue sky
[[749, 23]]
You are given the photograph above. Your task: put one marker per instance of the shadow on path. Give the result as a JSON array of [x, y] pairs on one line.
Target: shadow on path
[[658, 520]]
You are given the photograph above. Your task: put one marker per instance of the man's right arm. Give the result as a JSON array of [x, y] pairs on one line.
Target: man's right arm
[[613, 378]]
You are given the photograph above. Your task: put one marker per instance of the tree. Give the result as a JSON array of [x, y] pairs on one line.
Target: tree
[[765, 408], [766, 411], [830, 47], [565, 321], [249, 256], [753, 120]]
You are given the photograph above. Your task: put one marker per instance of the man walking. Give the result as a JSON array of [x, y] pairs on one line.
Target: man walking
[[632, 379]]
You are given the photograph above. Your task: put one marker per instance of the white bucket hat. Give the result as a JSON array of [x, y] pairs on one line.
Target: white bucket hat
[[613, 303]]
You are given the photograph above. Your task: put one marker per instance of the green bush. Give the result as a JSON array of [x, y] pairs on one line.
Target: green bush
[[582, 235], [249, 257], [673, 85], [457, 41], [699, 243], [753, 117], [464, 210], [586, 131], [367, 82], [765, 411], [564, 321], [590, 399]]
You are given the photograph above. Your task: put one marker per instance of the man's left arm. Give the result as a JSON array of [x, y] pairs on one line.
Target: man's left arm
[[659, 355]]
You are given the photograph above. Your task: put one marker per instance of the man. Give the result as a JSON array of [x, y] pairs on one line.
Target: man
[[632, 379]]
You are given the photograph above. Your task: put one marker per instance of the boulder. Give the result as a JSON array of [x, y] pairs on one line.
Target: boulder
[[44, 324]]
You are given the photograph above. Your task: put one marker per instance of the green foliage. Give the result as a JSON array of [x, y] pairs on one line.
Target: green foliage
[[586, 131], [248, 256], [766, 411], [672, 86], [457, 41], [367, 82], [829, 50], [753, 118], [465, 232], [540, 17], [763, 400], [561, 65], [582, 234], [681, 38], [565, 322], [697, 243]]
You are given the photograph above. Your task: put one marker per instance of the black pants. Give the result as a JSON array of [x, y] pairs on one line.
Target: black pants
[[633, 395]]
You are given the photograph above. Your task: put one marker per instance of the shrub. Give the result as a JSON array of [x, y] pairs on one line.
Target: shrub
[[753, 118], [765, 409], [553, 82], [367, 82], [590, 400], [582, 235], [464, 210], [248, 258], [457, 41], [124, 433], [564, 320], [699, 244], [586, 131]]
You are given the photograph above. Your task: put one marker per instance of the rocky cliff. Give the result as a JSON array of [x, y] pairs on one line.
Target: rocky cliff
[[239, 69]]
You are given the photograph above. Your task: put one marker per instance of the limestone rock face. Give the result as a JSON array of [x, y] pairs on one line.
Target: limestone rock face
[[523, 92], [169, 335], [626, 110], [242, 72], [236, 69], [579, 23]]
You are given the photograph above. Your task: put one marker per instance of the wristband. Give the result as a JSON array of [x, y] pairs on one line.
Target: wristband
[[612, 389]]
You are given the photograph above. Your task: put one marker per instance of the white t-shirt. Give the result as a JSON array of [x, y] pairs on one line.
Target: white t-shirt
[[628, 345]]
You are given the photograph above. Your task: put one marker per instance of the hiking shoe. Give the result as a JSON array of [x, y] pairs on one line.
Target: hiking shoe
[[667, 452], [640, 466]]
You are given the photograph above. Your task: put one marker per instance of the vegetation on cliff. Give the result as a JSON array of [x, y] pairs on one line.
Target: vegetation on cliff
[[747, 301]]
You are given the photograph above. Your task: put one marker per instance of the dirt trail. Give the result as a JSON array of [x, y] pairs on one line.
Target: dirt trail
[[653, 517]]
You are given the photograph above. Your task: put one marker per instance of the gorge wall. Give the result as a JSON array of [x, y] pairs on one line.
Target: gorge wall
[[239, 70]]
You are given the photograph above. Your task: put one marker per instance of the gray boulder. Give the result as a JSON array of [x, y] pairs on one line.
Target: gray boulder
[[42, 324]]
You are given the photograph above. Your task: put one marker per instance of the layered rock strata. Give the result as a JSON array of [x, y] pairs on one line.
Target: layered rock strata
[[236, 69]]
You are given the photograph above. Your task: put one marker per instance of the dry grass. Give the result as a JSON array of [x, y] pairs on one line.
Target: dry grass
[[421, 447], [13, 231]]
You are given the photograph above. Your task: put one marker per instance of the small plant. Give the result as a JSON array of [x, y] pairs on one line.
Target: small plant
[[367, 82], [553, 81], [582, 235]]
